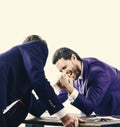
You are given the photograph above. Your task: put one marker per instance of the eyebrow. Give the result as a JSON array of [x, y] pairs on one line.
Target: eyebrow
[[63, 68]]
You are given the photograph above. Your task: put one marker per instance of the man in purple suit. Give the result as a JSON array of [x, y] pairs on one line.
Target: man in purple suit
[[21, 71], [90, 84]]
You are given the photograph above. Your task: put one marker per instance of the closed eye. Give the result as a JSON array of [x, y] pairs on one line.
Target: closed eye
[[63, 68]]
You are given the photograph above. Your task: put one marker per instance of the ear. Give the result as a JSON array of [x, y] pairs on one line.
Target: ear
[[73, 57]]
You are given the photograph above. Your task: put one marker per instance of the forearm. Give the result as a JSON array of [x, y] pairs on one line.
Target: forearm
[[60, 114], [63, 96], [81, 102]]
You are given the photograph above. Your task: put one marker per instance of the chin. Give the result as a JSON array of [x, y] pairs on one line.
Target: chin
[[75, 78]]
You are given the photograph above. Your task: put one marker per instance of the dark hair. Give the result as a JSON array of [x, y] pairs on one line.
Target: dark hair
[[65, 53], [34, 38]]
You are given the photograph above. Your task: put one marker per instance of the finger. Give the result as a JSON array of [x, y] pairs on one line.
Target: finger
[[82, 121], [76, 123]]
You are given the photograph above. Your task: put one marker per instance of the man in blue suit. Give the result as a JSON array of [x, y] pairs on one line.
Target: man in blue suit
[[90, 84], [21, 71]]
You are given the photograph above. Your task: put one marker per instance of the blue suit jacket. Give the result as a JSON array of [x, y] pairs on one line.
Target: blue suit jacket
[[102, 89], [21, 71]]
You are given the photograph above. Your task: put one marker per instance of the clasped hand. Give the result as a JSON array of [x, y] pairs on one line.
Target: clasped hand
[[64, 82]]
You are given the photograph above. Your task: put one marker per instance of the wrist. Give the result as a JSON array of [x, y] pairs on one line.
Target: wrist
[[60, 114], [70, 90], [73, 95]]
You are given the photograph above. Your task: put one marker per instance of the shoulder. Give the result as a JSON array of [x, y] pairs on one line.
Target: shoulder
[[94, 64]]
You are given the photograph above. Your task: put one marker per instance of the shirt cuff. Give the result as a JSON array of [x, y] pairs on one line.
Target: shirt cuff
[[60, 114], [73, 95]]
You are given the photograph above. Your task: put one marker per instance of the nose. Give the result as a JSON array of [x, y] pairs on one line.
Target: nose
[[64, 72], [68, 73]]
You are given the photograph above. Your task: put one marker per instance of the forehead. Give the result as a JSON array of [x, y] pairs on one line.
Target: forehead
[[61, 63]]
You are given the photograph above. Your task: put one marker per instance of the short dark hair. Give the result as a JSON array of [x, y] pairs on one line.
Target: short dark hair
[[34, 38], [65, 53]]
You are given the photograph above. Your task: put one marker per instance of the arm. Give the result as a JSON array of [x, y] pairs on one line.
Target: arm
[[62, 93], [33, 57], [63, 96], [37, 108], [34, 60], [98, 84]]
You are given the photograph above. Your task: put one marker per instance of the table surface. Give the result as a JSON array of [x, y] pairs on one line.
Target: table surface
[[91, 121]]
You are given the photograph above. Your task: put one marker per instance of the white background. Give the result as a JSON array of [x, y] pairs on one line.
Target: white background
[[90, 27]]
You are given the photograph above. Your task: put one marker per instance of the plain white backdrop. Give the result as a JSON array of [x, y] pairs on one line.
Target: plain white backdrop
[[90, 27]]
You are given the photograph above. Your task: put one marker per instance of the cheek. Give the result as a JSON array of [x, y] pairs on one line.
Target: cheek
[[74, 72]]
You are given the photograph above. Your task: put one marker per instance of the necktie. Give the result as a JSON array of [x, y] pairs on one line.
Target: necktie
[[79, 85]]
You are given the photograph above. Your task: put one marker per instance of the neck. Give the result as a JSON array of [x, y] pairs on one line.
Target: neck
[[80, 64]]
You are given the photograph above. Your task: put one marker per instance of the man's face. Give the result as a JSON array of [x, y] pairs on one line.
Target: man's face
[[69, 67]]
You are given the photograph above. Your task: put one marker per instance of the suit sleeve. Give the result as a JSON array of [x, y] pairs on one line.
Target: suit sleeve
[[37, 108], [63, 96], [33, 57], [99, 82]]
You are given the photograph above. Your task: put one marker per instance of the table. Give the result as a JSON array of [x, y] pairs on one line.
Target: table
[[92, 121]]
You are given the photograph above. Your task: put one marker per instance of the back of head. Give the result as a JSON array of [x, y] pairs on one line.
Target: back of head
[[42, 45], [34, 38], [65, 53]]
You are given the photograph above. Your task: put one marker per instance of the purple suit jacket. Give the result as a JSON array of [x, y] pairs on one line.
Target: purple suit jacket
[[102, 89], [21, 71]]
